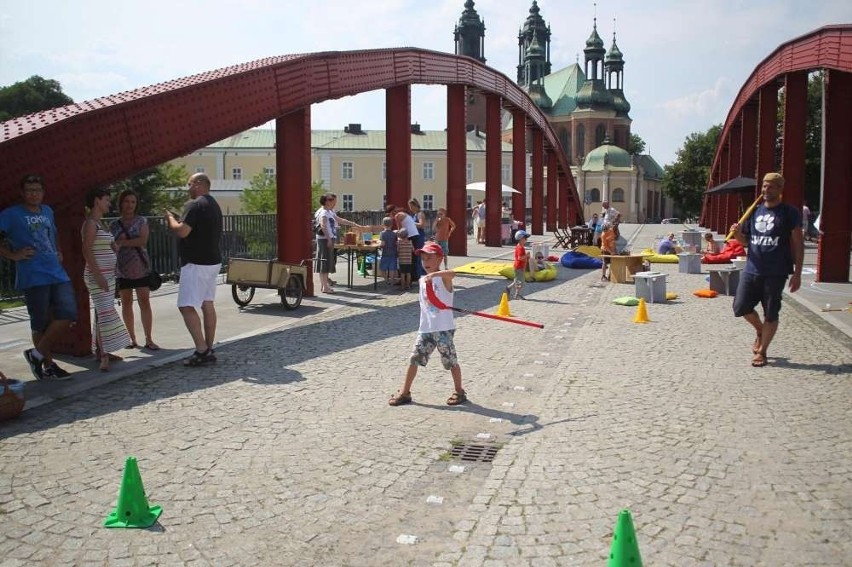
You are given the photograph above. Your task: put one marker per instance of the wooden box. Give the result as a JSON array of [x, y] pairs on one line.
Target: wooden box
[[248, 272]]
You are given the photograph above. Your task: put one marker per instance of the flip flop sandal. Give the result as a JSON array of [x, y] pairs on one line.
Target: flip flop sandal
[[151, 346], [759, 360], [400, 399], [457, 398], [199, 359]]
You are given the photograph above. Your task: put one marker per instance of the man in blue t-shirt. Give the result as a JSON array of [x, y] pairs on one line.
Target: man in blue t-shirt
[[775, 248], [28, 237]]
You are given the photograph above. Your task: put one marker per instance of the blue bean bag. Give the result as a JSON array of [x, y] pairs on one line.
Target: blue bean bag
[[580, 261]]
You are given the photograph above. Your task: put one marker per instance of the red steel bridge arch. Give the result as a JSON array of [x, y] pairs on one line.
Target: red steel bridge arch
[[107, 139], [747, 145]]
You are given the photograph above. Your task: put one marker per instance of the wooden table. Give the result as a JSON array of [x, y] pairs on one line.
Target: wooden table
[[622, 267], [352, 253]]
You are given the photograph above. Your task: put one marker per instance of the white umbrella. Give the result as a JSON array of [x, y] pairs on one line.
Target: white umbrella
[[480, 186]]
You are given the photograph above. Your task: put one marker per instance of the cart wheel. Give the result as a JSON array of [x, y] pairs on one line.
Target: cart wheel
[[291, 294], [242, 294]]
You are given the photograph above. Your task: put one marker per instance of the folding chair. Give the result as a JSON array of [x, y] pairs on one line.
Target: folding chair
[[563, 238]]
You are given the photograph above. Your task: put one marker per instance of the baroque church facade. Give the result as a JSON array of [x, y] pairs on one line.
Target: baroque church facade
[[588, 110]]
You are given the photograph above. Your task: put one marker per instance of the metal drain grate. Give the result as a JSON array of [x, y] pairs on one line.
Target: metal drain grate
[[475, 453]]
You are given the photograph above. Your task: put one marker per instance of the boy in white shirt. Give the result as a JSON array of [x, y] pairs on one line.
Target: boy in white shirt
[[437, 327]]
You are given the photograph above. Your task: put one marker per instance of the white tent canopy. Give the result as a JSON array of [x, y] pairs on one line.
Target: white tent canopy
[[480, 186]]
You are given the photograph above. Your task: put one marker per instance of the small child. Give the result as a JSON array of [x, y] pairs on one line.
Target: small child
[[387, 242], [437, 327], [540, 264], [607, 248], [444, 227], [404, 251], [522, 258]]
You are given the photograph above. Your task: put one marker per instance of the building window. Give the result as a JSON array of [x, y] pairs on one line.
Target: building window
[[469, 202], [384, 171], [581, 141], [237, 173], [506, 172], [618, 195], [200, 169], [428, 171], [564, 139], [348, 203], [428, 202], [600, 135], [269, 171], [469, 172], [347, 170], [595, 195]]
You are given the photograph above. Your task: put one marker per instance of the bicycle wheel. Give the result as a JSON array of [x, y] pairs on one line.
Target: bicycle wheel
[[242, 294], [291, 294]]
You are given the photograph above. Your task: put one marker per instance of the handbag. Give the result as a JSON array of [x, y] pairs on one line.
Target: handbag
[[155, 280]]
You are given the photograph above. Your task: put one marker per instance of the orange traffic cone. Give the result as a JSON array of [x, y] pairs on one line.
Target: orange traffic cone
[[503, 309], [641, 313]]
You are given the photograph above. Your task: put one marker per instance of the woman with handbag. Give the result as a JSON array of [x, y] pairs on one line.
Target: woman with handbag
[[108, 331], [133, 269]]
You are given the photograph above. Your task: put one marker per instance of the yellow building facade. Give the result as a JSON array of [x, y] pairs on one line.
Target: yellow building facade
[[351, 163]]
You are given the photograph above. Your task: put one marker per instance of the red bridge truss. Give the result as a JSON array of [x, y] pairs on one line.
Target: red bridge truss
[[753, 135], [82, 145]]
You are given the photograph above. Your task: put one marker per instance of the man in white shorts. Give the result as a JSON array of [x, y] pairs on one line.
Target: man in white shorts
[[199, 233]]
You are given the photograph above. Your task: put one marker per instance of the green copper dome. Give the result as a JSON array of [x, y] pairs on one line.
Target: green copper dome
[[609, 156]]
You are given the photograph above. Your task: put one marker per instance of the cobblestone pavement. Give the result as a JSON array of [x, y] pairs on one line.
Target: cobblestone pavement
[[286, 452]]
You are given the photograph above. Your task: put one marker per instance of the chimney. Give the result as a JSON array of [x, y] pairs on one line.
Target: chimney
[[415, 129], [353, 128]]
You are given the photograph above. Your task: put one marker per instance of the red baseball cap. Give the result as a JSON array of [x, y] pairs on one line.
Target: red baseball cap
[[430, 248]]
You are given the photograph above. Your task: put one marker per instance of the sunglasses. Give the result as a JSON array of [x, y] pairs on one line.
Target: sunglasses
[[32, 179]]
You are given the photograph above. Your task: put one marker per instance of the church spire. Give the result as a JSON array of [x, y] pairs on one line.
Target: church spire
[[535, 30], [470, 34]]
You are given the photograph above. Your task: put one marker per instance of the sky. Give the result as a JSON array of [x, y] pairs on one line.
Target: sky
[[685, 61]]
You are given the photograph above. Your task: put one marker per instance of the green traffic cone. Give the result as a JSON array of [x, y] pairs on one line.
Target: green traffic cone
[[132, 510], [625, 548], [362, 266]]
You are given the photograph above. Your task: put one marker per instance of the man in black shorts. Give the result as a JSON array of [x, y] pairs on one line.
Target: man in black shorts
[[775, 245]]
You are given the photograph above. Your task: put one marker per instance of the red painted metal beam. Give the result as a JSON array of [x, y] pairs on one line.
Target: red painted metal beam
[[836, 221], [457, 167], [101, 141], [551, 192], [793, 145], [537, 182], [519, 164], [493, 172], [293, 170], [398, 145]]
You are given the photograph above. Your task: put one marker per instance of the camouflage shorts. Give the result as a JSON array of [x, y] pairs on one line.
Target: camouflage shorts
[[428, 342]]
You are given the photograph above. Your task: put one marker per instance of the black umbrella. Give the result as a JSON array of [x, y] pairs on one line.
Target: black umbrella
[[735, 185]]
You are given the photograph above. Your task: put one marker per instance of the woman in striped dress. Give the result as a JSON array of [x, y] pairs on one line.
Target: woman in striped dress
[[108, 331]]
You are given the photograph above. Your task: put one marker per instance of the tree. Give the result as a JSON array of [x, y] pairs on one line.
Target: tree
[[260, 196], [33, 95], [635, 145], [686, 179], [160, 187]]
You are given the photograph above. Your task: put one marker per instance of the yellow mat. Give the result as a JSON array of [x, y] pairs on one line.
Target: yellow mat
[[481, 268]]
